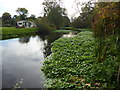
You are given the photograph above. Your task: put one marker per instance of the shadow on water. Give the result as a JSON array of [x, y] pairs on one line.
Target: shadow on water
[[22, 59], [47, 40], [24, 39]]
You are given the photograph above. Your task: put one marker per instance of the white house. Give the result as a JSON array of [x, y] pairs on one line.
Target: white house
[[25, 24]]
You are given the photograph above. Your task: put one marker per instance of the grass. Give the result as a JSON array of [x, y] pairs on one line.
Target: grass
[[12, 32], [69, 29], [72, 28], [63, 31], [83, 29]]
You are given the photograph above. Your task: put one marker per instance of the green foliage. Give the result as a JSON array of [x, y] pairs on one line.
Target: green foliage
[[66, 21], [72, 64], [75, 29], [70, 29], [44, 26], [6, 19], [32, 17], [64, 31], [13, 30], [54, 12], [107, 19], [67, 28], [106, 27], [22, 13], [85, 18]]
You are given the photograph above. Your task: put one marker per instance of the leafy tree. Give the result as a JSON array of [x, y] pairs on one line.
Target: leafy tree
[[13, 22], [33, 17], [54, 12], [77, 22], [106, 28], [22, 13], [43, 25], [6, 19], [107, 22], [14, 19], [66, 21], [86, 16]]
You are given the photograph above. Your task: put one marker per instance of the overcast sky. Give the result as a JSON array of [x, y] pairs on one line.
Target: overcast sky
[[34, 6]]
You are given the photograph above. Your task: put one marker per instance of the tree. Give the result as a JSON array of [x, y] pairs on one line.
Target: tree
[[43, 25], [54, 12], [107, 24], [14, 19], [66, 21], [32, 17], [86, 16], [6, 19], [77, 22], [22, 13], [106, 27]]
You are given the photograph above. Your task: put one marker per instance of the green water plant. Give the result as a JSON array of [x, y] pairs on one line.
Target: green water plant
[[73, 64]]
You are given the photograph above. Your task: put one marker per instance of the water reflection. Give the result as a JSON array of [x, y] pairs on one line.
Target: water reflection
[[23, 58], [47, 40], [71, 34], [24, 39], [22, 61]]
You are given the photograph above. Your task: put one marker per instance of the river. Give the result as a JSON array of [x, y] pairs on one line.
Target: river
[[22, 59]]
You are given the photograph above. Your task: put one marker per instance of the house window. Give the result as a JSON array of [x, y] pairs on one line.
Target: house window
[[29, 24], [20, 23]]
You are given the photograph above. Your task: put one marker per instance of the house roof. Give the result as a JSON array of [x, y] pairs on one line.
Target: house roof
[[25, 21]]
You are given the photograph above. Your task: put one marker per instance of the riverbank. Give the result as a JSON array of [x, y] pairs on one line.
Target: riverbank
[[73, 64], [12, 32]]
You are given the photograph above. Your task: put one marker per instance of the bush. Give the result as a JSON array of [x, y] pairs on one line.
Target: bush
[[44, 26]]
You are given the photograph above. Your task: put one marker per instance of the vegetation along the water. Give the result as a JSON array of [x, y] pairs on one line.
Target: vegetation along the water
[[12, 32], [73, 64], [89, 60]]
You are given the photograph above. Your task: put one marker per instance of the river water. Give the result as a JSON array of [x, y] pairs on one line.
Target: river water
[[22, 59]]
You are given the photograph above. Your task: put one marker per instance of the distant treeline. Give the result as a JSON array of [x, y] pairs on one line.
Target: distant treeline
[[54, 16]]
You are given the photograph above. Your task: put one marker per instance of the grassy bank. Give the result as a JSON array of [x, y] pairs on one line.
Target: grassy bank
[[73, 64], [12, 32], [63, 31], [75, 29], [70, 29]]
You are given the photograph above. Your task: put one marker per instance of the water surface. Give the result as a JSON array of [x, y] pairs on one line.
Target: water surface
[[22, 59]]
